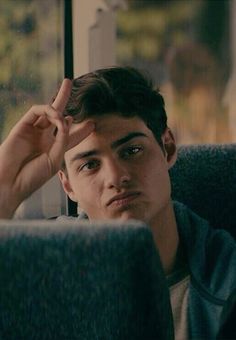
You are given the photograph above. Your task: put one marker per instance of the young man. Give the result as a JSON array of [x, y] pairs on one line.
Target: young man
[[120, 171], [116, 167]]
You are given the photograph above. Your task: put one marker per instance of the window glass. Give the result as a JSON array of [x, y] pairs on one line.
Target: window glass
[[31, 56], [31, 69], [184, 45]]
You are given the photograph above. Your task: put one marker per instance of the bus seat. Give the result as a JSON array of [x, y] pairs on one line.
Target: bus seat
[[75, 280], [204, 178]]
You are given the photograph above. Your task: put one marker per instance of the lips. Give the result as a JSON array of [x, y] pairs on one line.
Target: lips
[[123, 199]]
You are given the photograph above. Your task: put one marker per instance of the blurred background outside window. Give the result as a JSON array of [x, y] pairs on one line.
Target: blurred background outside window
[[185, 46], [31, 56], [31, 69]]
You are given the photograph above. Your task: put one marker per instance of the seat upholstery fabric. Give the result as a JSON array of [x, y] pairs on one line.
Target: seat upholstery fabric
[[204, 178], [77, 280]]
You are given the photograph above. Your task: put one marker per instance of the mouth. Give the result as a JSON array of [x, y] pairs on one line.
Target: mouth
[[123, 199]]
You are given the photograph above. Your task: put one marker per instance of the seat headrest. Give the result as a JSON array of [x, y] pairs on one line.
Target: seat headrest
[[77, 280], [204, 178]]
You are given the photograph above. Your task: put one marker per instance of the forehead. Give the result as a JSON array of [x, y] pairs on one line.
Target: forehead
[[116, 125], [109, 128]]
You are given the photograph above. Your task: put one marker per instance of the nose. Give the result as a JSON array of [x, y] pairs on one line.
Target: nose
[[116, 175]]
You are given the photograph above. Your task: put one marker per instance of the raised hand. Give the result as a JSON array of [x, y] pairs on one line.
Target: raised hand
[[34, 149]]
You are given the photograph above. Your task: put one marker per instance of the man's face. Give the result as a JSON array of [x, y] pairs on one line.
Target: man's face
[[119, 171]]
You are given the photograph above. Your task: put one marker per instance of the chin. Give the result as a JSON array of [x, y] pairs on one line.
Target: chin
[[132, 215], [129, 212]]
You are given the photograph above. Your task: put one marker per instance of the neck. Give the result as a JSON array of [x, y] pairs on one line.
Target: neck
[[166, 237]]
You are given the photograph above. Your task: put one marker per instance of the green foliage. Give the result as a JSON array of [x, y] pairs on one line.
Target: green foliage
[[149, 27], [30, 56], [184, 45]]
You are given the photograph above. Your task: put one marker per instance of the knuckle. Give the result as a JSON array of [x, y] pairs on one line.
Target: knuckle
[[34, 108], [48, 108]]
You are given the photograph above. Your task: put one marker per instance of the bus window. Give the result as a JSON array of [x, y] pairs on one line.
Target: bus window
[[31, 54], [185, 46]]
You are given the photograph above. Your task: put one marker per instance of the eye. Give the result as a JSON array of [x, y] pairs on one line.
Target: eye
[[89, 166], [131, 151]]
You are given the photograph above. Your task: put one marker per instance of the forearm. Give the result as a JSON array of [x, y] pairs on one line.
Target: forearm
[[8, 202]]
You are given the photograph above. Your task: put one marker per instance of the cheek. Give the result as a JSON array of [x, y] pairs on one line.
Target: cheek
[[156, 176], [88, 192]]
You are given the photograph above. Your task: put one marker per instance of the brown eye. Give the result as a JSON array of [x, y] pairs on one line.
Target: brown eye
[[90, 165], [131, 151]]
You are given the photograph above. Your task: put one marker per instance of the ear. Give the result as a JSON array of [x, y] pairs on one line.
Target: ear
[[66, 185], [169, 147]]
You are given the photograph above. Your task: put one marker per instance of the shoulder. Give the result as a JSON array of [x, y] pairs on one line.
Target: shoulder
[[211, 253], [195, 230]]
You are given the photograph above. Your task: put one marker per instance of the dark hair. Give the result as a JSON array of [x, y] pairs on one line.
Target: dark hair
[[121, 90]]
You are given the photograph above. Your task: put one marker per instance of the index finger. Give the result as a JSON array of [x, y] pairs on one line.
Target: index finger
[[63, 95]]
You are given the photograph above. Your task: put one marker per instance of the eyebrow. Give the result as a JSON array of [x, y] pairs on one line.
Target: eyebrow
[[126, 139], [114, 145], [84, 154]]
